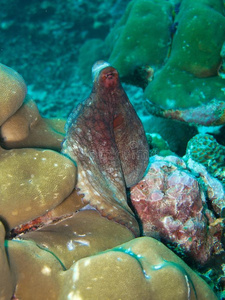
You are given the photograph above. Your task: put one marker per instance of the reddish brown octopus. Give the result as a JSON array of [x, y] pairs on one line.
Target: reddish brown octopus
[[106, 139]]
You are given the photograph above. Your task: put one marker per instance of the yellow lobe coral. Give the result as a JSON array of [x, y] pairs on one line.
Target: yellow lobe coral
[[32, 182], [140, 269], [6, 282], [12, 92], [80, 235], [35, 271], [26, 128]]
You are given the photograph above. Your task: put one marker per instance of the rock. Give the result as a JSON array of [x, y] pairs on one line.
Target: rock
[[171, 204]]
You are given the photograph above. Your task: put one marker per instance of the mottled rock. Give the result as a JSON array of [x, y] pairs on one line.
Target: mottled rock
[[171, 205], [214, 187]]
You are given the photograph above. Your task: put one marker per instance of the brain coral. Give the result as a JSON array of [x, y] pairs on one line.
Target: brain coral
[[205, 149]]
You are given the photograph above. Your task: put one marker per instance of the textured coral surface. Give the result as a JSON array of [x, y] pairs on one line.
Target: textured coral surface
[[172, 206], [170, 55], [55, 249]]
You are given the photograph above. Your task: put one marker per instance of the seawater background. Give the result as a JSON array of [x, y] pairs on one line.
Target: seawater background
[[41, 40]]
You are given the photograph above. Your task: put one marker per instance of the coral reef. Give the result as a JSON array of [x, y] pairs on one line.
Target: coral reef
[[172, 206], [79, 235], [21, 123], [134, 45], [163, 60], [175, 134], [205, 149], [31, 29], [54, 235], [6, 282], [157, 271], [32, 181], [91, 51], [194, 58], [53, 245]]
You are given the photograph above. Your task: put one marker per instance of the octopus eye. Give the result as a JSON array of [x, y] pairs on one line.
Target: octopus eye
[[110, 76], [110, 79]]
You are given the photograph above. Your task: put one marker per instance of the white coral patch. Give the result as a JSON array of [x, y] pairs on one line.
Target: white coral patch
[[74, 296], [87, 262], [96, 193], [46, 271], [76, 273], [14, 213], [70, 245]]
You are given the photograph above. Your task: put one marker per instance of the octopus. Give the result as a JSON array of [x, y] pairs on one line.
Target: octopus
[[106, 140]]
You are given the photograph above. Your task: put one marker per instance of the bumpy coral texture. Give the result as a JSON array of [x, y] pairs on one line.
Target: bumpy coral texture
[[107, 140], [205, 149], [159, 273], [135, 45], [64, 258], [183, 48], [172, 206], [194, 58], [20, 122]]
